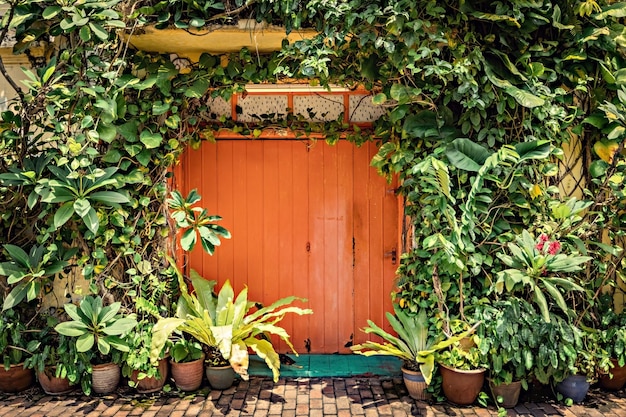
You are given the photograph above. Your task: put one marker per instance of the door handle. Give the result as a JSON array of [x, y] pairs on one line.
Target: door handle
[[393, 255]]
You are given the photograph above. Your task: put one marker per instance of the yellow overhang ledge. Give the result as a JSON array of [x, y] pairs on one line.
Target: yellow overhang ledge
[[216, 40]]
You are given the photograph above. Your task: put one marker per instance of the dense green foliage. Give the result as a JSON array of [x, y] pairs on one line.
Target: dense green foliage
[[482, 98]]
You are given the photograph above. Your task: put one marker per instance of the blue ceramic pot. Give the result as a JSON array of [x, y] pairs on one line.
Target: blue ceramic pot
[[574, 387]]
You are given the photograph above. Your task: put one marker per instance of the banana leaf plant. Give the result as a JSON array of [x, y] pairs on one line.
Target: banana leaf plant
[[413, 344], [227, 323]]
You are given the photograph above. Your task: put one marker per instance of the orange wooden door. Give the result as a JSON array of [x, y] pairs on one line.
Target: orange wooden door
[[307, 219]]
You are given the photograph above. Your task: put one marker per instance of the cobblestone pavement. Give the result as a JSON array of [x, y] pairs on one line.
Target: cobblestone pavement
[[315, 397]]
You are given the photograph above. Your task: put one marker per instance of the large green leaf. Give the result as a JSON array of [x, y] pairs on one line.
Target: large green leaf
[[85, 342], [536, 149], [467, 155], [151, 140], [71, 328], [161, 332], [17, 294], [524, 98], [18, 255], [109, 197], [63, 214]]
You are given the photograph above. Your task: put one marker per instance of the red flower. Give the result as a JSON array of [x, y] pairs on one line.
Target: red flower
[[543, 238], [554, 247]]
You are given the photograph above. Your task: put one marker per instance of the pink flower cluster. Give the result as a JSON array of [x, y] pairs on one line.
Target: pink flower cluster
[[544, 245]]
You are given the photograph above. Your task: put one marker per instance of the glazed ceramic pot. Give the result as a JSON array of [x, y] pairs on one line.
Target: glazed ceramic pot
[[461, 387], [220, 377], [574, 387], [415, 384], [618, 379], [16, 379]]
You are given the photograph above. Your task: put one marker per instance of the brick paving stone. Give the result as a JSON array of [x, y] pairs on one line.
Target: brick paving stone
[[330, 409], [316, 403], [302, 410]]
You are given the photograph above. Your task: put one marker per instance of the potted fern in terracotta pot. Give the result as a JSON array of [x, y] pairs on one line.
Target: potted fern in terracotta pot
[[413, 345]]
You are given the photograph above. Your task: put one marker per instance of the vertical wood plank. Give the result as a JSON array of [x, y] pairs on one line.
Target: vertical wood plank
[[343, 284], [271, 225], [300, 238], [317, 267], [240, 229], [361, 279], [254, 233], [332, 249], [221, 202]]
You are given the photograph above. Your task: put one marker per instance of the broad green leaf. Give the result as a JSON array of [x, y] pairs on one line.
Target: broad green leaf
[[467, 155], [72, 328], [18, 255], [17, 294], [536, 149], [524, 98], [110, 197], [82, 206], [151, 140], [99, 31], [50, 12], [188, 239], [85, 342], [91, 221], [63, 214]]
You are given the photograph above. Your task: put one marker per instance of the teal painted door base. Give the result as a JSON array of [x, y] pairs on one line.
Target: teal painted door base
[[312, 366]]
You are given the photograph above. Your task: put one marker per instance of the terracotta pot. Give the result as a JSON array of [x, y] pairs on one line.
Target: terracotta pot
[[220, 377], [188, 375], [574, 387], [150, 384], [462, 387], [508, 392], [16, 379], [51, 384], [105, 378], [618, 380], [415, 384]]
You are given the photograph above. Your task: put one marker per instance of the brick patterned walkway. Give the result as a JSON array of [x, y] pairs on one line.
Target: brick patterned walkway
[[315, 397]]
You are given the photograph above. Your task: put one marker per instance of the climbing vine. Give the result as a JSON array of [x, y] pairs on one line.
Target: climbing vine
[[88, 144]]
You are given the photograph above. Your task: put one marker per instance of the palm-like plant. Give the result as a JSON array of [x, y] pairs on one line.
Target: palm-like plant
[[413, 344], [227, 324]]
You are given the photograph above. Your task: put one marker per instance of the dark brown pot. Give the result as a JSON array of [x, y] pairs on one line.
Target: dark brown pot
[[16, 379], [618, 380], [508, 392], [151, 384], [51, 384], [220, 377], [462, 387], [188, 375], [105, 378]]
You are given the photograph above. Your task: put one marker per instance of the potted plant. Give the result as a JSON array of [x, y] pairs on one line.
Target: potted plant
[[187, 363], [463, 373], [414, 345], [143, 375], [507, 347], [99, 330], [227, 325], [14, 339], [56, 361], [610, 333]]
